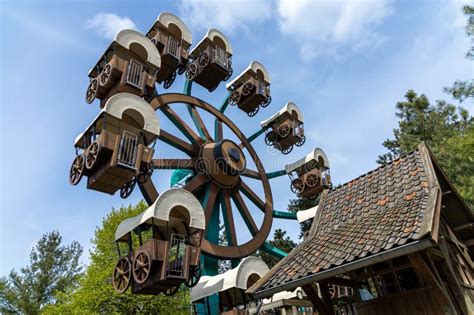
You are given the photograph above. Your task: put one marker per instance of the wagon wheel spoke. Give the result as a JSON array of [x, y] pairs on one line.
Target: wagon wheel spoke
[[229, 219], [244, 212]]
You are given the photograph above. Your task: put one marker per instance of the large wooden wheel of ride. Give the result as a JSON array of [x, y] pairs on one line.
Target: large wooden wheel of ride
[[122, 275], [141, 267], [92, 154], [77, 170], [219, 166]]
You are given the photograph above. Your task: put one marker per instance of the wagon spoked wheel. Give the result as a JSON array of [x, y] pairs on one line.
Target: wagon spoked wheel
[[221, 189], [267, 101], [203, 59], [92, 154], [141, 267], [301, 141], [169, 80], [127, 189], [312, 180], [191, 71], [253, 112], [122, 275], [77, 170], [227, 77], [145, 174], [171, 291], [248, 88], [297, 185], [284, 131], [92, 91], [287, 150], [182, 68], [270, 138], [105, 74], [234, 98], [194, 276]]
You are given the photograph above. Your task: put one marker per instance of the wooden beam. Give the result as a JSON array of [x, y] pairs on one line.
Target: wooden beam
[[342, 282], [251, 174], [197, 182], [464, 226], [311, 291], [178, 143]]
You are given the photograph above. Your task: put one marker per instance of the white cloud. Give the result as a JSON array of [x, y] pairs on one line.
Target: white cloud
[[327, 27], [109, 24], [228, 16]]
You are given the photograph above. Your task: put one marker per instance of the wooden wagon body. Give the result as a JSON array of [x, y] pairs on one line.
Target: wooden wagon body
[[310, 175], [115, 147], [210, 61], [172, 39], [170, 256], [285, 128], [251, 89], [130, 64]]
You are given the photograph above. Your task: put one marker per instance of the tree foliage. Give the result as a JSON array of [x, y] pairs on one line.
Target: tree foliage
[[279, 241], [447, 130], [464, 89], [303, 203], [95, 293], [53, 269]]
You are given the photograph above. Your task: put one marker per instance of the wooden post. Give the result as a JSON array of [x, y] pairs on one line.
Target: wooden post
[[311, 291]]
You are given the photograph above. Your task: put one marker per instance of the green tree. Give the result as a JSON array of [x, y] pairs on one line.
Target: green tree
[[53, 269], [447, 131], [279, 241], [464, 89], [95, 293]]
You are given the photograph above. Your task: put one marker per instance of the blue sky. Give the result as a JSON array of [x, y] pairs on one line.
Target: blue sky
[[345, 63]]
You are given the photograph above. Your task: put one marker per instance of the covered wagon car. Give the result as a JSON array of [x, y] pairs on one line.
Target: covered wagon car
[[159, 249], [210, 61], [285, 128], [310, 175], [130, 64], [114, 151], [251, 89], [173, 40]]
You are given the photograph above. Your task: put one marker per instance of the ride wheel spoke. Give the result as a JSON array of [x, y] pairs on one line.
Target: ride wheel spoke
[[252, 196], [179, 144], [197, 182], [170, 164], [219, 133], [229, 219], [181, 125], [199, 123], [210, 201], [251, 174], [244, 212]]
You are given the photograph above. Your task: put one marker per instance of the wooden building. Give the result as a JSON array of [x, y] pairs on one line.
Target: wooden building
[[398, 238]]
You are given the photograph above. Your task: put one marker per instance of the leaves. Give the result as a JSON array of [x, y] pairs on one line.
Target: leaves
[[53, 269], [279, 241]]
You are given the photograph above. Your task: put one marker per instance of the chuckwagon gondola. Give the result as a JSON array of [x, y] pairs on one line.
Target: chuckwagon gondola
[[210, 61], [173, 39], [285, 128], [169, 236], [129, 64], [310, 175], [251, 89], [113, 152]]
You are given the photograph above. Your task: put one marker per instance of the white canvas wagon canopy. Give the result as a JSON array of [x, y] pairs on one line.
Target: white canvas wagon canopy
[[167, 20], [169, 210], [255, 69], [134, 108], [290, 108], [233, 282], [317, 155], [212, 36]]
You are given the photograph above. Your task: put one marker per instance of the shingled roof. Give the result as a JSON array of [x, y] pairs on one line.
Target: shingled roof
[[389, 208]]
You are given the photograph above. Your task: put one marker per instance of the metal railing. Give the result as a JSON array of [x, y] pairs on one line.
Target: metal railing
[[176, 256], [134, 73], [172, 47], [220, 57], [128, 150]]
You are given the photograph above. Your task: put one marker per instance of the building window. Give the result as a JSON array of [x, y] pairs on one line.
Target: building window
[[367, 289], [387, 283], [407, 279]]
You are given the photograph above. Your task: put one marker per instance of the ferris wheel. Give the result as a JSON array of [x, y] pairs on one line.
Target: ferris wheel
[[116, 152]]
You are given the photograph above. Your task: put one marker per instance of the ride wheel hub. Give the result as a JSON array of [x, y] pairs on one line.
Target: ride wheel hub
[[223, 161]]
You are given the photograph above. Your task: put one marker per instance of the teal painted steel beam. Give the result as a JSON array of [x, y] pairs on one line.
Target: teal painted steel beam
[[284, 215], [188, 85], [276, 174], [255, 135], [272, 250], [187, 90], [178, 125], [217, 122]]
